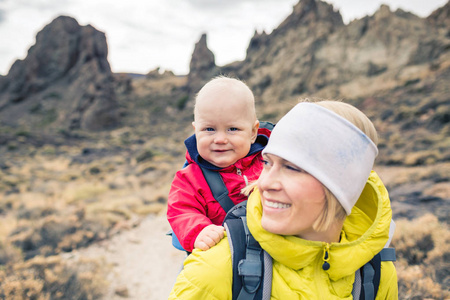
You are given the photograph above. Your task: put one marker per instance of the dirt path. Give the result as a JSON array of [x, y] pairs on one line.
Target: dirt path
[[145, 264]]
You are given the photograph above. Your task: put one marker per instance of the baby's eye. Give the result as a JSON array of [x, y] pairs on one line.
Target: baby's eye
[[209, 129], [233, 129]]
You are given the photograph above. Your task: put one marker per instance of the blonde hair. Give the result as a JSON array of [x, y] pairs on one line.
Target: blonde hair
[[225, 84]]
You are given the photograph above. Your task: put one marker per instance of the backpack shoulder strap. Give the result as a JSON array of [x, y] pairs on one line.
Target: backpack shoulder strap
[[252, 266], [367, 279], [267, 125], [218, 188]]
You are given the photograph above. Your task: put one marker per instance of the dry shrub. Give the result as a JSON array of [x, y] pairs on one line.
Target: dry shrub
[[423, 252], [83, 192], [52, 278], [419, 158], [415, 285], [9, 254], [56, 233]]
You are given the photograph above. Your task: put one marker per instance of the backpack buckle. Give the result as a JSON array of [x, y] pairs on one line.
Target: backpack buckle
[[251, 272]]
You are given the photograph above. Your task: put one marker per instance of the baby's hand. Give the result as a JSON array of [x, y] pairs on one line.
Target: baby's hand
[[208, 237]]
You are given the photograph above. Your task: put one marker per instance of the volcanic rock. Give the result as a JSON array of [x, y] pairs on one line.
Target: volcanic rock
[[202, 66], [65, 80]]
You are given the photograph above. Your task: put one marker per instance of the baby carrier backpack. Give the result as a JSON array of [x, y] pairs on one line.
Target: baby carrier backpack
[[252, 266]]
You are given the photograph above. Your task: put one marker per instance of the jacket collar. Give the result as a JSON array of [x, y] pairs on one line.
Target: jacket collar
[[192, 154], [365, 233]]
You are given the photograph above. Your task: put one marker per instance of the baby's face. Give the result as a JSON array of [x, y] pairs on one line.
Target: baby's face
[[225, 129]]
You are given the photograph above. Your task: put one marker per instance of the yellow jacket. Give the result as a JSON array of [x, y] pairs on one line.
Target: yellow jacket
[[297, 263]]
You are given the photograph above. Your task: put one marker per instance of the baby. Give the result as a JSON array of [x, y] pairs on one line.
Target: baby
[[227, 140]]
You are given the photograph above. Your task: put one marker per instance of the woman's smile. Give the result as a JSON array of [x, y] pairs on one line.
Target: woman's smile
[[275, 204]]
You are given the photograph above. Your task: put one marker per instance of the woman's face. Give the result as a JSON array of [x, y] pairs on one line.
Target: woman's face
[[291, 198]]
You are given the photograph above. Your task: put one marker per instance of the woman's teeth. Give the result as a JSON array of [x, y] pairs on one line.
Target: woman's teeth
[[277, 204]]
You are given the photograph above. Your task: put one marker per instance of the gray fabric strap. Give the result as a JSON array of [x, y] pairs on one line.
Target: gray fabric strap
[[250, 268], [218, 188], [388, 254], [356, 292], [267, 282], [369, 273]]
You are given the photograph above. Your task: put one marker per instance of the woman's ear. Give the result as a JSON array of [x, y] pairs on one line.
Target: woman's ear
[[255, 131]]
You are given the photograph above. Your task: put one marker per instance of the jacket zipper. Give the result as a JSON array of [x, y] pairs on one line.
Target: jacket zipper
[[239, 172], [321, 260]]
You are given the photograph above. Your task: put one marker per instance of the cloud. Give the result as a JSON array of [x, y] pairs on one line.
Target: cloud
[[218, 5], [147, 34], [143, 34]]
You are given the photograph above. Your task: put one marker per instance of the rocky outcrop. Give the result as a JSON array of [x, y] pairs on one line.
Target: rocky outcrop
[[313, 53], [283, 63], [65, 80], [202, 66], [393, 65], [441, 18]]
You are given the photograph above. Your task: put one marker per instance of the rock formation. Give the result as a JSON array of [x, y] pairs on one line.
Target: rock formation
[[441, 18], [313, 52], [202, 66], [65, 80]]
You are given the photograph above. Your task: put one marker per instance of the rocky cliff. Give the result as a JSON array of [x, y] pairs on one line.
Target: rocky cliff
[[65, 80], [392, 65]]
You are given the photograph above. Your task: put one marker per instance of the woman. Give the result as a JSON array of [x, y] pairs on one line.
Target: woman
[[318, 210]]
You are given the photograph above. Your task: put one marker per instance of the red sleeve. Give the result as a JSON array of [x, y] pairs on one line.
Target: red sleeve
[[186, 211]]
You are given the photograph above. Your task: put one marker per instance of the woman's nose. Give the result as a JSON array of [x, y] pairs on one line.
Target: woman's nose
[[269, 179]]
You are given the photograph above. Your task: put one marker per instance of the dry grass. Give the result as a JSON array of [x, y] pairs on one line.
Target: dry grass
[[56, 199], [44, 278], [423, 252]]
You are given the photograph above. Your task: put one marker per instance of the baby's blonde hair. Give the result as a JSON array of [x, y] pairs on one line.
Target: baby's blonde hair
[[223, 84]]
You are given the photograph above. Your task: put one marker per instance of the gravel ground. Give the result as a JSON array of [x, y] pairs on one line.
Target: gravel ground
[[145, 264]]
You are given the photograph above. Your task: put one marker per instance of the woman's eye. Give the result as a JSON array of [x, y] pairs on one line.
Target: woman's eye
[[266, 163], [293, 168]]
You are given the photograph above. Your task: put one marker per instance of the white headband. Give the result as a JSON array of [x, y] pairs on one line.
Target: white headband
[[328, 147]]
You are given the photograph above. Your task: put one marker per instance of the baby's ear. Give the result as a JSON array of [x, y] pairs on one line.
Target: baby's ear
[[193, 125], [255, 131]]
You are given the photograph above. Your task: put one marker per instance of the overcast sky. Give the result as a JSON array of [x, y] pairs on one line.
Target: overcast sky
[[145, 34]]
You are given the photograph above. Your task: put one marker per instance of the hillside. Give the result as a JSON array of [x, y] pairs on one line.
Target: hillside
[[86, 154]]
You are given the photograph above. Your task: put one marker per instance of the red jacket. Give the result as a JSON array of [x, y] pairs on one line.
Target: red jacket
[[191, 205]]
